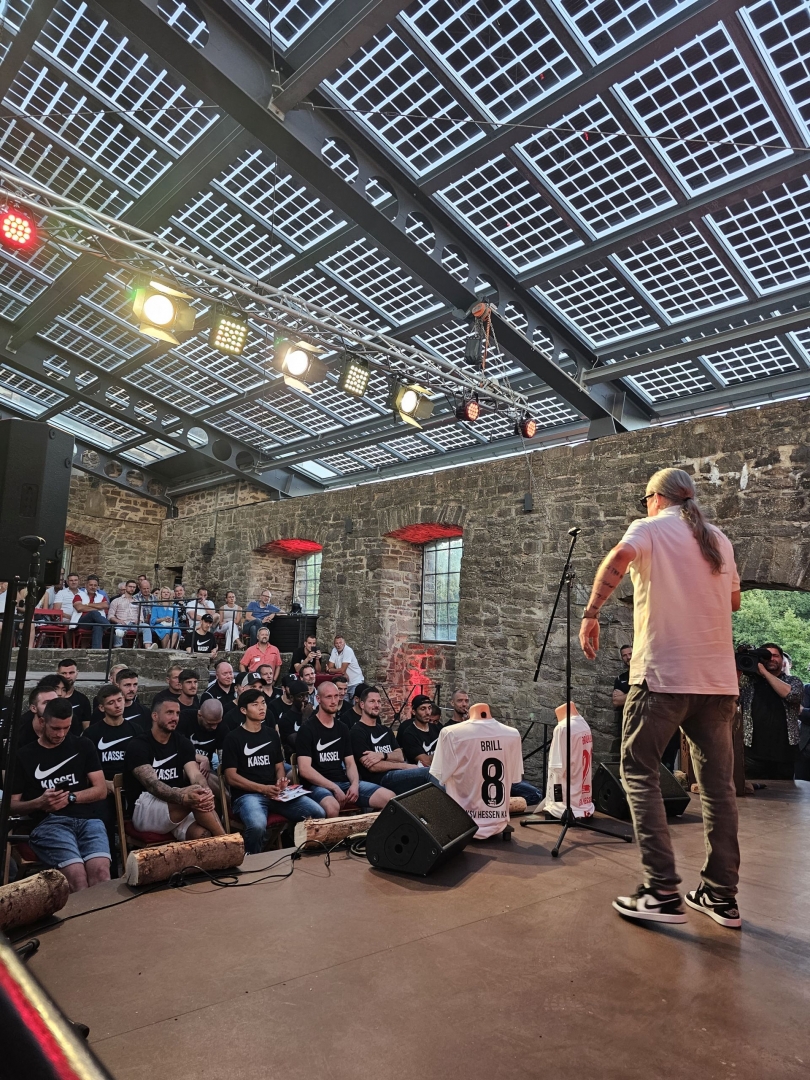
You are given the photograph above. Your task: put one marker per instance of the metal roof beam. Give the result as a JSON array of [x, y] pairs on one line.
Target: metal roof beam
[[38, 14], [738, 396]]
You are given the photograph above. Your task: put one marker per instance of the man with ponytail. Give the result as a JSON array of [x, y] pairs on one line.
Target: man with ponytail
[[682, 674]]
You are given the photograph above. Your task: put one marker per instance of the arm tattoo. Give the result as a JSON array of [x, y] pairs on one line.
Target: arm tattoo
[[147, 777]]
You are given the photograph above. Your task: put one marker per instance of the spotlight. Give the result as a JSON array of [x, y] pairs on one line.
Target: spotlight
[[411, 403], [469, 410], [526, 426], [355, 376], [229, 333], [162, 311], [18, 230], [299, 365]]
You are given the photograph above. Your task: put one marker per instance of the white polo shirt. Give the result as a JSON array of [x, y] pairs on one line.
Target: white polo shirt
[[681, 610], [354, 673]]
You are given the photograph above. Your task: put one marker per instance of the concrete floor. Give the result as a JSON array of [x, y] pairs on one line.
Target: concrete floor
[[506, 964]]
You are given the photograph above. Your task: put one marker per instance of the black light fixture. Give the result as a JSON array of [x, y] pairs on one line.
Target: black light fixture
[[162, 311], [469, 409], [526, 426], [411, 402], [300, 365], [229, 333], [354, 376]]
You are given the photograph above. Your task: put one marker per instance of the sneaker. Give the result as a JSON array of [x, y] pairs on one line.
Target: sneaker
[[649, 905], [722, 909]]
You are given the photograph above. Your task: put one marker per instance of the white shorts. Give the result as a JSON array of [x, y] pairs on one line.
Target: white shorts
[[152, 815]]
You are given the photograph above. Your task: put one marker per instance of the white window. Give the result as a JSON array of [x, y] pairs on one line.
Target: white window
[[308, 582], [441, 572]]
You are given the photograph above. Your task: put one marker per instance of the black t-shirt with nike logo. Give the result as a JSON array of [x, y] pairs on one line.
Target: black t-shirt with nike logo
[[111, 742], [254, 755], [327, 746], [290, 723], [64, 767], [204, 740], [415, 742], [378, 739], [167, 759]]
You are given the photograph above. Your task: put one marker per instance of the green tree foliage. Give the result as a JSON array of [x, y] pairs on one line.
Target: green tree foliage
[[783, 617]]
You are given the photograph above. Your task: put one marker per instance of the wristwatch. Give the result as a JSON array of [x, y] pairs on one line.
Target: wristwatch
[[385, 755], [72, 797]]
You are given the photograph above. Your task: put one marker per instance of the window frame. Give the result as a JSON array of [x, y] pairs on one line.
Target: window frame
[[453, 594], [306, 584]]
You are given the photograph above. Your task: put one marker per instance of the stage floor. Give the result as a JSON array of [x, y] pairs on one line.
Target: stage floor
[[506, 964]]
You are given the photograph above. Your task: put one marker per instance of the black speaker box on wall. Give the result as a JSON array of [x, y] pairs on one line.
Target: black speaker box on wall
[[609, 797], [35, 463], [418, 832]]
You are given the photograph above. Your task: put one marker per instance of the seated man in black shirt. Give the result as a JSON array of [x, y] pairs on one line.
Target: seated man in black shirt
[[377, 753], [418, 736], [326, 763], [187, 698], [308, 653], [31, 719], [202, 640], [206, 732], [277, 705], [112, 734], [139, 714], [59, 781], [172, 690], [347, 714], [222, 688], [79, 703], [293, 716], [165, 786], [254, 771]]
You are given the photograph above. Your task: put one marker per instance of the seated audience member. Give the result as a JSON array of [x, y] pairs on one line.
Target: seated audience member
[[187, 698], [92, 605], [261, 653], [206, 732], [242, 682], [258, 613], [222, 688], [347, 714], [134, 711], [64, 599], [163, 620], [60, 782], [113, 732], [770, 702], [200, 606], [254, 770], [265, 672], [308, 653], [306, 675], [79, 702], [93, 580], [418, 737], [343, 659], [202, 640], [172, 691], [143, 598], [31, 719], [230, 618], [326, 764], [165, 787], [181, 608], [293, 716], [125, 614], [278, 703], [436, 715], [377, 753]]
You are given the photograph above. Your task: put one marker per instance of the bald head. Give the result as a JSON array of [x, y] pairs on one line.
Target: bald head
[[210, 714]]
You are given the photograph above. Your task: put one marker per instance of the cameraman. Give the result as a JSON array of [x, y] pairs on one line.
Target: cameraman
[[308, 653], [770, 703]]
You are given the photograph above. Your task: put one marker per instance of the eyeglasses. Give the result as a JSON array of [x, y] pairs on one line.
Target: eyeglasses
[[642, 500]]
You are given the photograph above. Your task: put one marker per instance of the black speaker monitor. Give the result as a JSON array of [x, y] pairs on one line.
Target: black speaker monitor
[[418, 832], [609, 796], [35, 464]]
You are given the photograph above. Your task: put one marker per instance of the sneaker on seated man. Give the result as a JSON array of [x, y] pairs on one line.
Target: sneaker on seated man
[[377, 753], [60, 782], [254, 770], [326, 763], [164, 784]]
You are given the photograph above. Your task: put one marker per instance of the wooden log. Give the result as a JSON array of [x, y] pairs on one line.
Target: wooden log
[[331, 830], [150, 864], [32, 899]]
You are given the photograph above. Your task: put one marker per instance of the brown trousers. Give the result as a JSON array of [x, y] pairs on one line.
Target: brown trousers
[[650, 721]]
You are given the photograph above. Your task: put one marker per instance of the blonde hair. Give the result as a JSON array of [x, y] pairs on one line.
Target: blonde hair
[[677, 486]]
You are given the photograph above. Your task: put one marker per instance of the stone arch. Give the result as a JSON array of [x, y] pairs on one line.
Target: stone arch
[[394, 519]]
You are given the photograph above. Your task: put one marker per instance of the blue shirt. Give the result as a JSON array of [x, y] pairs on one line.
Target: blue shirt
[[255, 609]]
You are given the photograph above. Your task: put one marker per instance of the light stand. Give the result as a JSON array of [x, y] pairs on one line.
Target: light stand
[[568, 819]]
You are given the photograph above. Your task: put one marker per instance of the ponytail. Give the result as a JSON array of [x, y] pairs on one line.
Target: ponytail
[[677, 486]]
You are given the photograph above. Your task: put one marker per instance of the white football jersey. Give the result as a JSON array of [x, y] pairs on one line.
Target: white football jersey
[[478, 761], [581, 758]]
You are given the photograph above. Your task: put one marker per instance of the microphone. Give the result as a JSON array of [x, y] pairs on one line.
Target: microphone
[[31, 543], [575, 531]]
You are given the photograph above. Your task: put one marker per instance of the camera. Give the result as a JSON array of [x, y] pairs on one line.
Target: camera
[[747, 659]]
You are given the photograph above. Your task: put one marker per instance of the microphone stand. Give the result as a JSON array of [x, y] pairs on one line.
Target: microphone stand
[[568, 819]]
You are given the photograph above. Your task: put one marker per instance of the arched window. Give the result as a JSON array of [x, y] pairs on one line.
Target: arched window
[[308, 581]]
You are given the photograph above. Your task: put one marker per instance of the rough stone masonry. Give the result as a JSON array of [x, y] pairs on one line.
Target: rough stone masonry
[[753, 475]]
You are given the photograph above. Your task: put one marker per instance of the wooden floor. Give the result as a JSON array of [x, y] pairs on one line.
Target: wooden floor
[[506, 964]]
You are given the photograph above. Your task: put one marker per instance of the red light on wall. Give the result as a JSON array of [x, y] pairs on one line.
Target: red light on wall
[[293, 548], [425, 532], [18, 230]]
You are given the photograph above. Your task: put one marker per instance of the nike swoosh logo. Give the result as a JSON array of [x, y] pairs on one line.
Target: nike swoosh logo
[[427, 747], [106, 745], [383, 736], [332, 743], [156, 764], [202, 742], [40, 774], [250, 750]]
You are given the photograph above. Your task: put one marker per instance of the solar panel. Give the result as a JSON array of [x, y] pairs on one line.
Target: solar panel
[[288, 20], [179, 396], [781, 30], [603, 28], [26, 395], [452, 437], [232, 235], [597, 304], [410, 447], [344, 463], [379, 282], [185, 20], [674, 381], [313, 285], [376, 457], [756, 360], [100, 426]]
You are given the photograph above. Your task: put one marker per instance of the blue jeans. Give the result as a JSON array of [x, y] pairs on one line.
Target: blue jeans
[[97, 621], [60, 840], [399, 780], [253, 810], [527, 791], [363, 799]]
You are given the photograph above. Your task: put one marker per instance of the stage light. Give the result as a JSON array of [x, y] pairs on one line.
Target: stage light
[[162, 312], [526, 426], [18, 230], [355, 376], [229, 333], [469, 410], [298, 363], [411, 403]]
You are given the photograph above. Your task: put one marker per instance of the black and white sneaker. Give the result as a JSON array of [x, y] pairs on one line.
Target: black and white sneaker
[[649, 905], [722, 909]]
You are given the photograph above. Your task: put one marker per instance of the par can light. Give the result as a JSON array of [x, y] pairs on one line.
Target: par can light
[[18, 230], [469, 410], [527, 427]]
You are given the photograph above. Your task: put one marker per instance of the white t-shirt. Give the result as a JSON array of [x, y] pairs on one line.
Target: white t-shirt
[[354, 672], [64, 600], [681, 610], [478, 761], [581, 761]]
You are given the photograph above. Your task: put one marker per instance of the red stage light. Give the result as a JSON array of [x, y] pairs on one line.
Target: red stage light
[[528, 427], [17, 229], [469, 410]]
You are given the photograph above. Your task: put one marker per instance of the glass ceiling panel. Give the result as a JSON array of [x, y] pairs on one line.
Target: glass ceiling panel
[[380, 283], [270, 423], [604, 180], [288, 20], [409, 446], [503, 53], [149, 453], [26, 275], [344, 463], [802, 339], [376, 457], [93, 337], [100, 423], [385, 76], [25, 394], [299, 409], [180, 397], [350, 410], [452, 437], [754, 361], [597, 304], [677, 380], [253, 435], [781, 31], [448, 340], [703, 91], [232, 235], [317, 288], [509, 215], [604, 27], [240, 373]]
